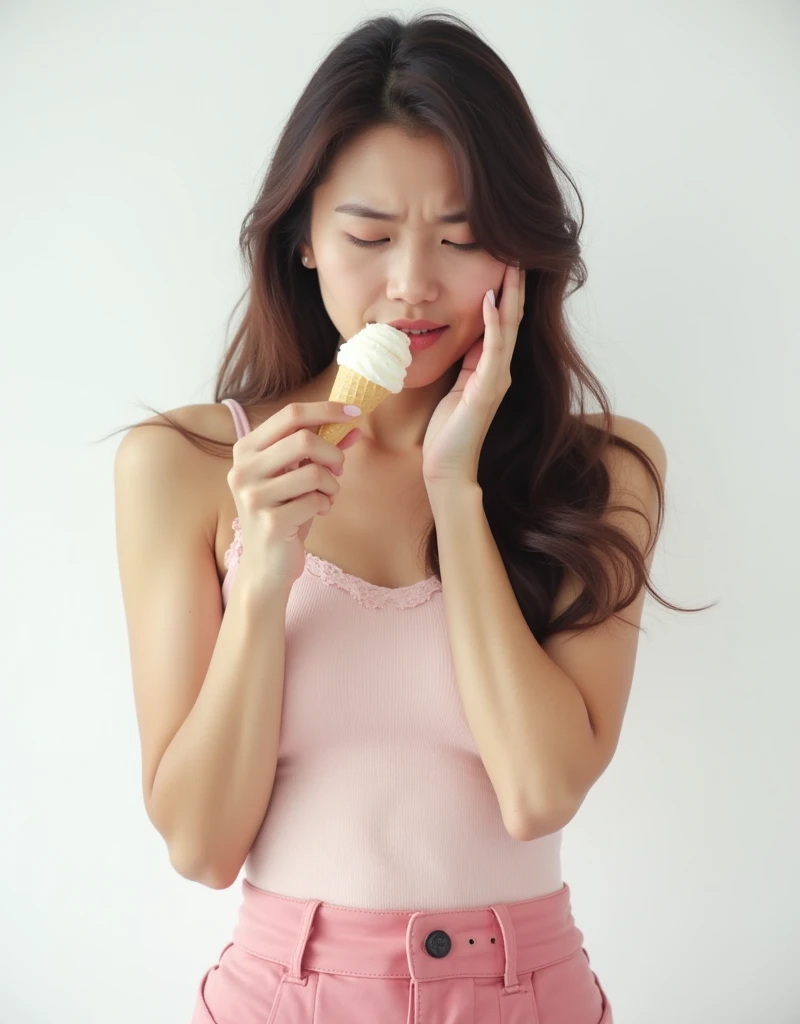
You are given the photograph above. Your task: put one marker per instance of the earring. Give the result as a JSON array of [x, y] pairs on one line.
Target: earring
[[305, 261]]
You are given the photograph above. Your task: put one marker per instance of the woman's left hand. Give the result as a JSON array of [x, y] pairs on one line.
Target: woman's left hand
[[461, 421]]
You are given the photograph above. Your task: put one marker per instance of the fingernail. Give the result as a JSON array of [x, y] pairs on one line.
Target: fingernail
[[490, 293], [352, 410]]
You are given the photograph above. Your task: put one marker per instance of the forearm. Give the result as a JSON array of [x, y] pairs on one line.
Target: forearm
[[214, 782], [527, 717]]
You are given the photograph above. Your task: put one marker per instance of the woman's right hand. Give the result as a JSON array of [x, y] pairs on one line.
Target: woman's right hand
[[283, 475]]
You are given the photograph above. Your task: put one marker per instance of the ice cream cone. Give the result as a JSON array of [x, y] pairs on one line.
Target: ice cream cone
[[352, 388]]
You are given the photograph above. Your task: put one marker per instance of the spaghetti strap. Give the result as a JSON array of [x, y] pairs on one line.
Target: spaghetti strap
[[240, 420]]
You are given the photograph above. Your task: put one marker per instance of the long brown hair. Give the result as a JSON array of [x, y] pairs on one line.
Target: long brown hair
[[541, 469]]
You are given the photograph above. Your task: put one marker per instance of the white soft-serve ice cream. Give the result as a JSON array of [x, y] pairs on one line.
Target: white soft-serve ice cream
[[372, 366], [380, 353]]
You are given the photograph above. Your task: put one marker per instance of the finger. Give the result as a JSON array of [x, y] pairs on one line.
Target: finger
[[509, 303], [490, 312]]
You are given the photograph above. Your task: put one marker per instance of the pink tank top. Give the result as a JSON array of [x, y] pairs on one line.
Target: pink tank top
[[381, 800]]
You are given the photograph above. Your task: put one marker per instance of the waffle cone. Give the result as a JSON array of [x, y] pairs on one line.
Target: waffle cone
[[351, 388]]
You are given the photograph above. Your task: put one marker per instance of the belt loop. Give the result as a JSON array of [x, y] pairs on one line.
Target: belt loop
[[294, 975], [511, 981]]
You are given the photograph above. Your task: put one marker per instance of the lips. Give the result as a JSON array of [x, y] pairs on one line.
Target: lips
[[416, 325], [417, 342], [432, 332]]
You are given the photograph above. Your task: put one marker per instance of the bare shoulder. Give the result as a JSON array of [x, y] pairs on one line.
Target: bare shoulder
[[634, 499], [157, 442], [639, 434], [632, 484], [154, 455], [212, 420], [194, 477]]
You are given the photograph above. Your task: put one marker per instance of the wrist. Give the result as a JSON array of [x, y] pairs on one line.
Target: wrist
[[255, 589], [446, 492]]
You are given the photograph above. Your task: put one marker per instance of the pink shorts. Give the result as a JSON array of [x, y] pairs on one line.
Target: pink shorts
[[307, 962]]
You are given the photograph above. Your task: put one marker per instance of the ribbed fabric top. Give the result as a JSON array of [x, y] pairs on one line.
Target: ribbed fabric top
[[381, 800]]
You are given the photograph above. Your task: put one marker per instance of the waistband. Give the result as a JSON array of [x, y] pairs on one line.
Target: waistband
[[502, 940]]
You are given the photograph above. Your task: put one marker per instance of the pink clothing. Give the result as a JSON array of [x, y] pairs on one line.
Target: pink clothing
[[383, 887], [381, 800], [307, 962]]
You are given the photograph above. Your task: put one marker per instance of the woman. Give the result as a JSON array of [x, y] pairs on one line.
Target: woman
[[414, 669]]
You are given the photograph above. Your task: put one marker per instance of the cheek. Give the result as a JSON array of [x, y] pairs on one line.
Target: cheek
[[338, 261], [352, 277], [470, 300], [475, 282]]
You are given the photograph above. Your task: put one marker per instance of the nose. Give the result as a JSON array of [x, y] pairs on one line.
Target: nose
[[412, 277]]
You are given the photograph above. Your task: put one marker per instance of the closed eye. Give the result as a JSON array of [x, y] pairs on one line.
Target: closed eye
[[467, 246]]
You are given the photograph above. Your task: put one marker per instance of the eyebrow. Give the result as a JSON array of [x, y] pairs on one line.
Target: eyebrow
[[359, 210]]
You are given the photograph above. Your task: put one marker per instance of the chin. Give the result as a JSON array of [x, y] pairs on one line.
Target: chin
[[420, 375]]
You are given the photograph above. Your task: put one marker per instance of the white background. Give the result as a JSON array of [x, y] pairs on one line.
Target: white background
[[134, 140]]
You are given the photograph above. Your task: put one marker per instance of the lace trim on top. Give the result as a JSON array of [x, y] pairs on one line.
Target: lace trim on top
[[370, 595]]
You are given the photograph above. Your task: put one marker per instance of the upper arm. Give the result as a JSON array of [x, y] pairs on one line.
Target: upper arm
[[600, 661], [170, 586]]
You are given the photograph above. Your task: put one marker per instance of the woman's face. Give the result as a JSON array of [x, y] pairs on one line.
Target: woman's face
[[416, 268]]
